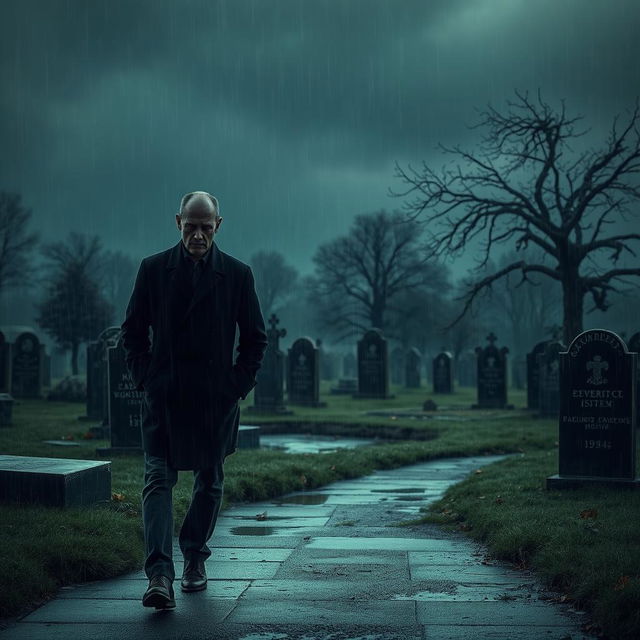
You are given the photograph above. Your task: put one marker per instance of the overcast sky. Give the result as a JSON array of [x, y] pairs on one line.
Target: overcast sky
[[292, 112]]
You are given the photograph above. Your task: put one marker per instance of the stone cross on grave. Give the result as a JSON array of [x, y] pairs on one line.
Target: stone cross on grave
[[275, 334], [492, 338]]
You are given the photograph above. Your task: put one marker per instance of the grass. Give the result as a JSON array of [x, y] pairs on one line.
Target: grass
[[505, 504], [583, 543]]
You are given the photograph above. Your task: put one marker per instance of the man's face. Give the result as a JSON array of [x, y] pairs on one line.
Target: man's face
[[198, 224]]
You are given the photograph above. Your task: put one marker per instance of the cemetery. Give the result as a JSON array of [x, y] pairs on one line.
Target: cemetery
[[391, 430]]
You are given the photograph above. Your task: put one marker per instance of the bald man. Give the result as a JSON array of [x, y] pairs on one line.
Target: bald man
[[192, 297]]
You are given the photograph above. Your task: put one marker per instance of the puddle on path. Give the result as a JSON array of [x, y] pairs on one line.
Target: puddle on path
[[407, 490], [252, 531], [316, 498]]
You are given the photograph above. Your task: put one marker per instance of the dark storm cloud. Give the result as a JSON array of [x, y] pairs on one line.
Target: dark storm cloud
[[293, 112]]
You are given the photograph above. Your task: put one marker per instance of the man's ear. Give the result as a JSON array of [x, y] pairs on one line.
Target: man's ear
[[218, 222], [178, 221]]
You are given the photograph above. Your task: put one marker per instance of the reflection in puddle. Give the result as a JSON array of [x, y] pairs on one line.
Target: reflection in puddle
[[252, 531], [409, 490], [315, 498], [408, 498]]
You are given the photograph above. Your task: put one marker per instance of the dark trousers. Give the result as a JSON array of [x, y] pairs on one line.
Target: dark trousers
[[157, 514]]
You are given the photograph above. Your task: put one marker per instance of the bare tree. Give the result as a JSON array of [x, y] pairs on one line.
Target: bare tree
[[527, 187], [275, 279], [73, 310], [16, 243], [361, 276]]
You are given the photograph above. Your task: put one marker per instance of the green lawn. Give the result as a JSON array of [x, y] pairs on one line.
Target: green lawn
[[55, 547]]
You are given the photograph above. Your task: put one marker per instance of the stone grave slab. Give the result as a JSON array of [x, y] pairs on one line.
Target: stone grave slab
[[443, 373], [373, 366], [303, 373], [492, 376], [54, 482], [597, 422]]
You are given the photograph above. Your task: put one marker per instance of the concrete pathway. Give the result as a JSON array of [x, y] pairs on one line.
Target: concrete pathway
[[326, 565]]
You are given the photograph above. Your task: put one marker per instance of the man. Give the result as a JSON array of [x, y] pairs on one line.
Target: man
[[192, 297]]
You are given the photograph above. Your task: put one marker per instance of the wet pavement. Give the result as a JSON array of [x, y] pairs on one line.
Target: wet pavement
[[329, 564]]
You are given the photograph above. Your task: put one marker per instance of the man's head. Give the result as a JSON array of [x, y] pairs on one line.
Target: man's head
[[198, 221]]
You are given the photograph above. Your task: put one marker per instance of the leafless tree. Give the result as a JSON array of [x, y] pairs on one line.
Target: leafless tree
[[16, 243], [275, 279], [526, 186], [359, 278]]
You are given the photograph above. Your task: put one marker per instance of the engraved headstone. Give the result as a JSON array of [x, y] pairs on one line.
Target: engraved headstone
[[268, 394], [303, 384], [597, 421], [443, 373], [492, 375], [97, 374], [533, 374], [549, 379], [125, 404], [26, 366], [413, 363], [373, 365]]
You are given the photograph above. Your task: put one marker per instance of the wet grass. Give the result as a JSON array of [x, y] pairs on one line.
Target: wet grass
[[583, 543]]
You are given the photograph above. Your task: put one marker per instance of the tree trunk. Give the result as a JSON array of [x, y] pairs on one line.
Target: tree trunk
[[74, 359], [573, 304], [376, 316]]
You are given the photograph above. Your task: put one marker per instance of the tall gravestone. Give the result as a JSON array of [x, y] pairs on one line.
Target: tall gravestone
[[396, 365], [443, 373], [124, 406], [303, 373], [26, 366], [97, 374], [549, 379], [492, 375], [597, 421], [412, 365], [268, 394], [373, 366], [634, 346], [533, 374]]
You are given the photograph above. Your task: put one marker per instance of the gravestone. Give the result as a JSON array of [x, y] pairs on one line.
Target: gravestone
[[397, 358], [268, 394], [349, 366], [303, 377], [5, 364], [492, 375], [443, 373], [597, 421], [413, 362], [533, 374], [634, 346], [373, 366], [54, 482], [124, 407], [549, 379], [467, 369], [26, 366]]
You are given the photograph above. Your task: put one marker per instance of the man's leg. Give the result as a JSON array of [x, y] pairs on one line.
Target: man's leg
[[157, 516], [203, 511]]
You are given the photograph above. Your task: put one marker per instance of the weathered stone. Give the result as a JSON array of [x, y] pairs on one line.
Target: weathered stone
[[373, 366]]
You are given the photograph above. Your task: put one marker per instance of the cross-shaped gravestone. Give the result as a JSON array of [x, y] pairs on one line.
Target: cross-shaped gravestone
[[274, 334], [491, 338]]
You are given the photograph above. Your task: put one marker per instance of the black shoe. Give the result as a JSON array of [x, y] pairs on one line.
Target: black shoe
[[159, 594], [194, 577]]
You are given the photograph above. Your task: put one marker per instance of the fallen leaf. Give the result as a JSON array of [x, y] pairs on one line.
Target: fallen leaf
[[499, 500], [621, 583], [117, 497], [261, 516], [589, 513], [303, 479], [478, 471]]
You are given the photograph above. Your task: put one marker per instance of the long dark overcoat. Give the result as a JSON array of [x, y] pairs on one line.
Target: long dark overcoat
[[186, 366]]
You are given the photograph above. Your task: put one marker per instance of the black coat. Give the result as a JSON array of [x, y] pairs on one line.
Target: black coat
[[186, 368]]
